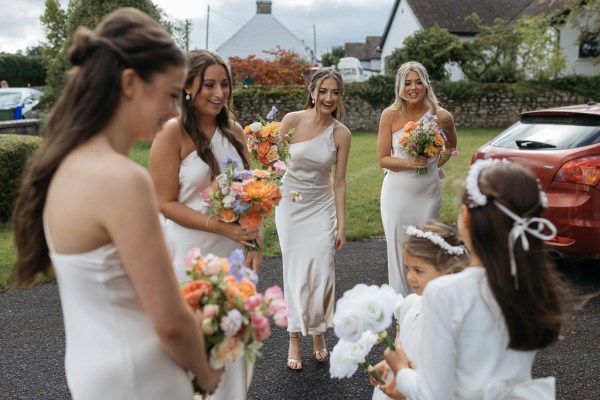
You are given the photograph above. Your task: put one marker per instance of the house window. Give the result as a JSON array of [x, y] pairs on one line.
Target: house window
[[589, 47]]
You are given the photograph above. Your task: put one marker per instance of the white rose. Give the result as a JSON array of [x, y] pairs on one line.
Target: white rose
[[255, 126], [348, 322], [228, 200], [346, 356]]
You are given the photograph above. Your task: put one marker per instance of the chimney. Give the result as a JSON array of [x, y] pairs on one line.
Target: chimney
[[263, 7]]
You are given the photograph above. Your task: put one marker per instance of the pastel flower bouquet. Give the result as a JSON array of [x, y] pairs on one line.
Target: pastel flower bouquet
[[235, 317], [267, 144], [424, 138], [361, 319], [242, 196]]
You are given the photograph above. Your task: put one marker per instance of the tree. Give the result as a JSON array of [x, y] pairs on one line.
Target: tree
[[286, 69], [181, 31], [54, 23], [332, 58], [59, 26], [434, 48]]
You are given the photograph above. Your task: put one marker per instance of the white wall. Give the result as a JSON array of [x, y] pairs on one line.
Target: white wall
[[570, 48], [404, 24]]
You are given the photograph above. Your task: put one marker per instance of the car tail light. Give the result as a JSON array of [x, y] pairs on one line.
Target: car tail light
[[584, 170]]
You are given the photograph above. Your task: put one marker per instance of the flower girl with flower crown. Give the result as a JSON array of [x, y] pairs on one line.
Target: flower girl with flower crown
[[431, 250], [481, 327]]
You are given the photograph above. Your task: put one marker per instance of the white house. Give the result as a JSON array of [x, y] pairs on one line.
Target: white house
[[367, 53], [263, 33], [409, 16]]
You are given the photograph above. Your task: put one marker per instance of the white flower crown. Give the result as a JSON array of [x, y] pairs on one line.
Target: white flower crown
[[436, 239]]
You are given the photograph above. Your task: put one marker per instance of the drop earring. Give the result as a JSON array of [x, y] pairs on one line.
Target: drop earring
[[187, 96], [312, 101]]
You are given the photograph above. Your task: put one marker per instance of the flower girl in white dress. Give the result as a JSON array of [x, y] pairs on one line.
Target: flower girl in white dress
[[431, 250], [482, 326]]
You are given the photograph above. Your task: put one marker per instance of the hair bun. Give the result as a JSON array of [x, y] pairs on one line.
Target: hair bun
[[86, 43]]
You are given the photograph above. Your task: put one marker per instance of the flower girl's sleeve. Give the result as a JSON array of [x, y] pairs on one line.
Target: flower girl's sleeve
[[433, 378]]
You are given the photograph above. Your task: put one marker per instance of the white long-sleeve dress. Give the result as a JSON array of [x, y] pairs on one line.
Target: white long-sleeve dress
[[464, 350]]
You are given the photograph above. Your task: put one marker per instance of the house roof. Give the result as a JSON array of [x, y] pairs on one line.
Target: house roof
[[363, 51], [262, 33], [451, 14]]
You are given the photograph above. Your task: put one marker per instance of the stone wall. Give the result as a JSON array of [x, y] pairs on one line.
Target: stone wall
[[20, 127], [496, 108]]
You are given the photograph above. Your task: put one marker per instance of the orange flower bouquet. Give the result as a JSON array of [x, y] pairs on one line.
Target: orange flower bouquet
[[267, 144], [234, 316], [242, 196], [424, 138]]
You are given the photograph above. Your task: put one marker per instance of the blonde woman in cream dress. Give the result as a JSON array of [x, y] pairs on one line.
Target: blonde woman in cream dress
[[408, 198], [313, 229]]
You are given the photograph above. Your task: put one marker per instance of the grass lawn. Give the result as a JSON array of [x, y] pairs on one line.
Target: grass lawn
[[363, 186]]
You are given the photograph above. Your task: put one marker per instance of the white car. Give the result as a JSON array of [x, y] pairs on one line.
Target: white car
[[21, 100]]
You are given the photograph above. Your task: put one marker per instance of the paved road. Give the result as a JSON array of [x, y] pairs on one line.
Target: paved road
[[32, 340]]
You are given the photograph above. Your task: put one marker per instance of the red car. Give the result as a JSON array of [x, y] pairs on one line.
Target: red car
[[562, 146]]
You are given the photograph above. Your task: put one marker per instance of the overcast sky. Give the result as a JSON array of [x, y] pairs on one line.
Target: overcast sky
[[335, 21]]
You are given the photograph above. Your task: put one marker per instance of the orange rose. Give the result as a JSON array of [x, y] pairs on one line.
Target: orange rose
[[439, 139], [241, 290], [193, 292], [263, 160], [228, 216], [247, 129], [409, 126], [263, 148], [250, 220], [262, 208]]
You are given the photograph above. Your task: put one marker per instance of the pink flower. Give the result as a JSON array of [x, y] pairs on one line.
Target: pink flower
[[280, 318], [274, 292], [228, 350], [191, 257], [212, 265], [238, 188], [262, 330], [210, 310], [279, 166], [253, 302], [276, 305]]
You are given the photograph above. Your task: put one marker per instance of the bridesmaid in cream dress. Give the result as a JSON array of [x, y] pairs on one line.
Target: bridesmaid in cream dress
[[406, 197], [311, 230], [185, 158], [85, 207]]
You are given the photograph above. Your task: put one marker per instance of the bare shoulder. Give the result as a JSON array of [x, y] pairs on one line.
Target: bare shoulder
[[293, 117], [126, 176], [172, 129], [236, 128], [443, 115], [341, 130]]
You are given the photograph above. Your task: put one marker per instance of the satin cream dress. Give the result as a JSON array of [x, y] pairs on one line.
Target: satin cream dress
[[112, 349], [407, 198], [306, 232], [194, 178]]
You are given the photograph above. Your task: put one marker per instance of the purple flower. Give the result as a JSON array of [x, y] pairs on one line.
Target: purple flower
[[272, 113], [231, 323], [229, 162], [237, 268], [241, 175], [240, 207]]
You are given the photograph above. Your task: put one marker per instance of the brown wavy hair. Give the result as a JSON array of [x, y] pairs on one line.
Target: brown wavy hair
[[198, 61], [533, 313], [433, 254], [315, 83], [126, 38]]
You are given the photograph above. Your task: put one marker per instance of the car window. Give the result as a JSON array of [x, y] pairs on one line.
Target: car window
[[550, 133], [10, 98]]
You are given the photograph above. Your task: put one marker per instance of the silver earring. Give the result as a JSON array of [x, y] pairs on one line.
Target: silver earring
[[313, 101], [187, 96]]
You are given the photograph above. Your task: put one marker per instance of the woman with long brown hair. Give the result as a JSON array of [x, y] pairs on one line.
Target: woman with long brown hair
[[185, 158], [85, 207]]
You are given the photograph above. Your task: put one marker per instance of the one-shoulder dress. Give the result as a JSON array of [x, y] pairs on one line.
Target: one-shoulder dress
[[307, 230], [194, 178], [407, 198]]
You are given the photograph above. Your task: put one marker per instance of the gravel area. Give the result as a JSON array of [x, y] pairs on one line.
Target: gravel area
[[32, 340]]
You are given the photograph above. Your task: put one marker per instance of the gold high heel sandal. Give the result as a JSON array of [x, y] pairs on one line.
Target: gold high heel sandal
[[321, 353], [294, 361]]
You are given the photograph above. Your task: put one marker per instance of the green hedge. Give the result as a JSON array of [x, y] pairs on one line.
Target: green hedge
[[22, 71], [15, 150]]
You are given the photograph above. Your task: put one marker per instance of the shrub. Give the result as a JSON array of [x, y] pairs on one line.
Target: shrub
[[15, 150], [22, 71]]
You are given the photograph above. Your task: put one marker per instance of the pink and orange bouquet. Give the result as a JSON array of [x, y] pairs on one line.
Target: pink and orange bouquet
[[267, 144], [424, 138], [235, 318], [242, 196]]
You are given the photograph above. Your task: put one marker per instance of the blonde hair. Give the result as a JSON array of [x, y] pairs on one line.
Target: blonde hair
[[400, 102], [423, 248]]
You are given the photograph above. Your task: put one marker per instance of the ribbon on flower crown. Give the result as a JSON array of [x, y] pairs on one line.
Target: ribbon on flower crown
[[521, 227]]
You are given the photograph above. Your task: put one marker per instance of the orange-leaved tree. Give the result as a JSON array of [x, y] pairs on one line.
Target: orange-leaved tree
[[286, 68]]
